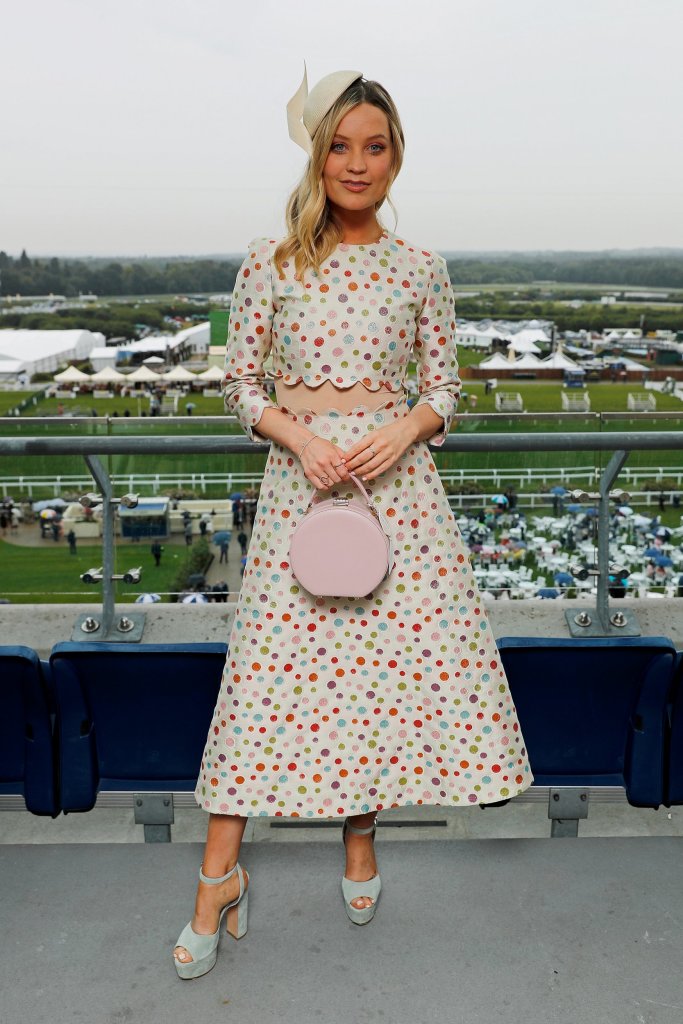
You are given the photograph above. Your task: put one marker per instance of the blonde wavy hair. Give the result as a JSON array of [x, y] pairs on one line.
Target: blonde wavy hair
[[312, 232]]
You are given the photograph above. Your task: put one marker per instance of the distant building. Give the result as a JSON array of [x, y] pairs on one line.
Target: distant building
[[45, 351]]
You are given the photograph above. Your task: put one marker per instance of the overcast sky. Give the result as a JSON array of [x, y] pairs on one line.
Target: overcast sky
[[159, 126]]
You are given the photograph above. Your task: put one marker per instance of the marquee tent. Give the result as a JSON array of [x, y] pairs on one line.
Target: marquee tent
[[72, 375], [179, 373], [46, 351]]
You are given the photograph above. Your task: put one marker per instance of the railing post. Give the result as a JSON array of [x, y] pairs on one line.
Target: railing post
[[608, 477], [101, 478]]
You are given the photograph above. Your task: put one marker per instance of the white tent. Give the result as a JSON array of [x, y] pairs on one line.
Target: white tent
[[179, 373], [530, 333], [46, 351], [107, 375], [558, 361], [212, 373], [12, 367], [198, 336], [71, 375], [496, 362], [101, 356], [529, 361], [524, 345], [144, 375]]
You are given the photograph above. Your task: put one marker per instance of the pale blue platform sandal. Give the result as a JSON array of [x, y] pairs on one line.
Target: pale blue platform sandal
[[352, 890], [204, 948]]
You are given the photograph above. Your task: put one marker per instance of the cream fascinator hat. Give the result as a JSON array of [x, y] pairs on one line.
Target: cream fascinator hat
[[312, 107]]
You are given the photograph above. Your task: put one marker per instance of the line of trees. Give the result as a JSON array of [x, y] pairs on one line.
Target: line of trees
[[164, 276]]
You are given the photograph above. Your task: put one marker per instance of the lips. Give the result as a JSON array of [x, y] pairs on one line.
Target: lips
[[355, 186]]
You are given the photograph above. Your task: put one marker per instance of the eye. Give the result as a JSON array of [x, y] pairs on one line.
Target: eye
[[373, 145]]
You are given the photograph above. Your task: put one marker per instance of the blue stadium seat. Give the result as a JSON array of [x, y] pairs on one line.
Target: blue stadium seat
[[27, 758], [132, 717], [674, 789], [594, 712]]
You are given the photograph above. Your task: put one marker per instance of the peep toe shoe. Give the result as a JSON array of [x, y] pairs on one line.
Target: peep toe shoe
[[352, 890], [204, 948]]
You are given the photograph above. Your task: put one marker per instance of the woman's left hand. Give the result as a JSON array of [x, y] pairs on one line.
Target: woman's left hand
[[379, 450]]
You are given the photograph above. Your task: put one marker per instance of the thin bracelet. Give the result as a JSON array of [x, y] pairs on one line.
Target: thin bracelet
[[307, 442]]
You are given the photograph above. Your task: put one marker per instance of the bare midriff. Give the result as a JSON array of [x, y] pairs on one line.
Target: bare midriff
[[301, 396]]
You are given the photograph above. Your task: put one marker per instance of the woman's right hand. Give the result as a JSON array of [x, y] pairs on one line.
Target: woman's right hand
[[323, 463]]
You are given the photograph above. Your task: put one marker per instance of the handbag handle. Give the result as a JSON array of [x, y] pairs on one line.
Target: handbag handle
[[366, 495], [357, 481]]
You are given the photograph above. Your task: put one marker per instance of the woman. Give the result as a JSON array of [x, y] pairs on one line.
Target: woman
[[340, 707]]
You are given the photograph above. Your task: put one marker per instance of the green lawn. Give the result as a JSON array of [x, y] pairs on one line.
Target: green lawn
[[10, 399], [546, 396], [49, 574], [83, 404]]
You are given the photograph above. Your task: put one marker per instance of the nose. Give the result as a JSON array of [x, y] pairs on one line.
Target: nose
[[356, 163]]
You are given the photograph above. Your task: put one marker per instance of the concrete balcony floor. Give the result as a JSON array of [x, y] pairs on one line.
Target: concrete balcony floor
[[527, 931]]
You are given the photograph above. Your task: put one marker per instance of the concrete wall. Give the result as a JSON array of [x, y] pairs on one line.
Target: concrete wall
[[41, 626]]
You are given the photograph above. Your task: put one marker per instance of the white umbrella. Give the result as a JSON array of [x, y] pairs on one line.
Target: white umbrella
[[147, 599], [194, 599], [71, 375], [49, 503], [153, 361]]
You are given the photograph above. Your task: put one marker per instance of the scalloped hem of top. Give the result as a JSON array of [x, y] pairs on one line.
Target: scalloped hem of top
[[341, 386], [358, 410]]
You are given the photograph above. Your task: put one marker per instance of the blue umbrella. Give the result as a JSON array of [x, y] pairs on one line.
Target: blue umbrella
[[652, 552], [663, 560], [563, 579], [236, 494], [574, 508], [499, 499], [547, 592], [558, 490], [222, 537]]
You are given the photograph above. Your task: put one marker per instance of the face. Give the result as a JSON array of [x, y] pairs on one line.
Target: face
[[361, 151]]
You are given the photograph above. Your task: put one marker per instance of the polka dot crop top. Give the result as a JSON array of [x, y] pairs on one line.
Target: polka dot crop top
[[369, 311]]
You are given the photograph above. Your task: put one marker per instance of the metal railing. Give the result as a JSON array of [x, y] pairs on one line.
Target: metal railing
[[618, 443], [200, 482]]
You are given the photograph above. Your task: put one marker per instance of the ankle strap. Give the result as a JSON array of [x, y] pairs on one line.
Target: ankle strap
[[360, 831], [216, 881]]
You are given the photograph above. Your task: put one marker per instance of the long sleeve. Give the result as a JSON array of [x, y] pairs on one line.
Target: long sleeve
[[249, 339], [435, 352]]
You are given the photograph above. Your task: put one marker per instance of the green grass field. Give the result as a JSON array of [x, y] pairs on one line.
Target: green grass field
[[10, 399], [48, 574]]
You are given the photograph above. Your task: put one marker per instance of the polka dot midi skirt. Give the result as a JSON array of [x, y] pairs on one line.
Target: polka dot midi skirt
[[336, 706]]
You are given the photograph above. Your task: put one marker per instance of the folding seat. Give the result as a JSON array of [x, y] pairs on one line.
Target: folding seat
[[27, 754], [132, 717], [594, 711]]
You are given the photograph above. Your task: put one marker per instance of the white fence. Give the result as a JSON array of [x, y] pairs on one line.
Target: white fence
[[496, 479]]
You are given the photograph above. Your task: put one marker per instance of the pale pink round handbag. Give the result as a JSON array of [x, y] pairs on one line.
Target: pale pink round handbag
[[340, 548]]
